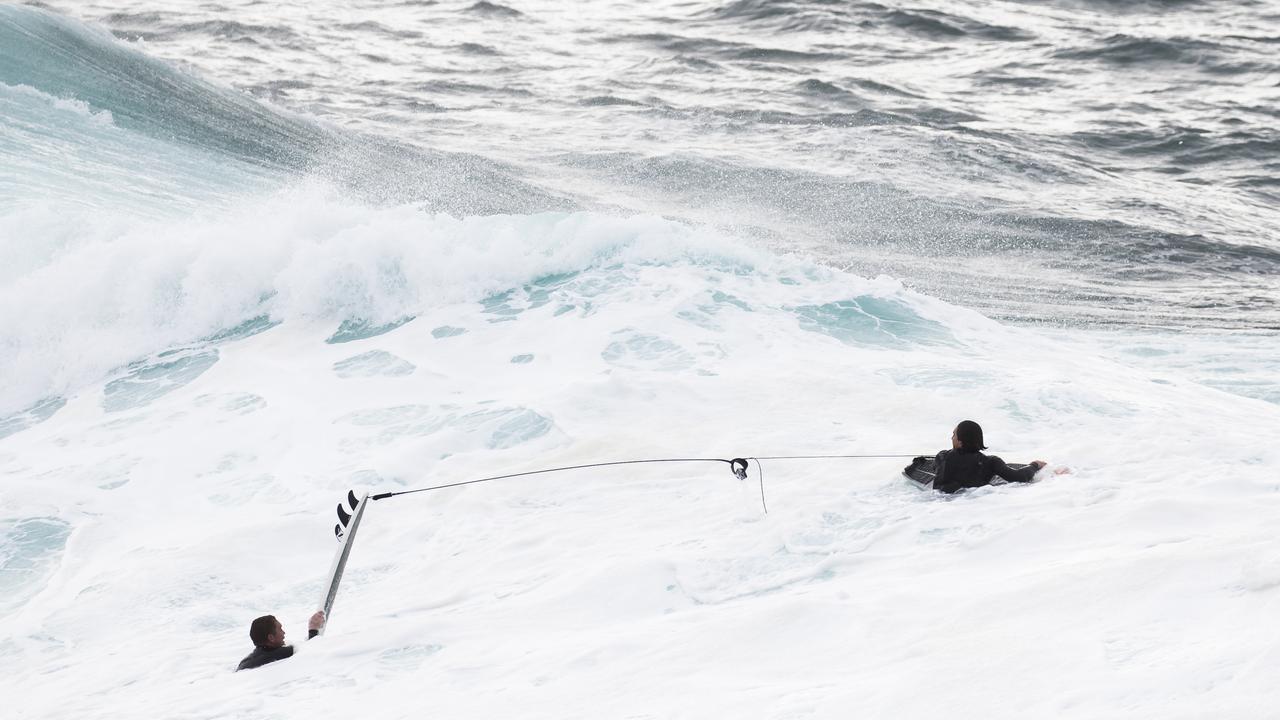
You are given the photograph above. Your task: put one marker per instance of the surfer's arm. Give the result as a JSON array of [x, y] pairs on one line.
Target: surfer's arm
[[1026, 474]]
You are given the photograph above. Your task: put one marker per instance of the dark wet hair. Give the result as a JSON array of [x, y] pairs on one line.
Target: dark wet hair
[[261, 628], [969, 433]]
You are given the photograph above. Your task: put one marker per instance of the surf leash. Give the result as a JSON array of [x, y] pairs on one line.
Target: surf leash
[[352, 509], [738, 466]]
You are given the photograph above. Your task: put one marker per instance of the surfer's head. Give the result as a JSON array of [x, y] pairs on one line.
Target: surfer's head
[[267, 632], [968, 436]]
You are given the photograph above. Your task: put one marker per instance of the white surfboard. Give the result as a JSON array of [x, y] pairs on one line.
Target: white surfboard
[[348, 523]]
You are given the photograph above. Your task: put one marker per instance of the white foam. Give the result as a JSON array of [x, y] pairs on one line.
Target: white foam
[[87, 292], [99, 116], [1141, 580]]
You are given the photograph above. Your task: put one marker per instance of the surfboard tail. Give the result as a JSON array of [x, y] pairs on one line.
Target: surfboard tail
[[350, 512]]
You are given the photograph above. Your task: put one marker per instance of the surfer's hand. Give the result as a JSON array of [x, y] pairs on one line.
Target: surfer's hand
[[1064, 470], [317, 621]]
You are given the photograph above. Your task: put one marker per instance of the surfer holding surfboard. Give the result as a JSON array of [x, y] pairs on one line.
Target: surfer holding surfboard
[[268, 640]]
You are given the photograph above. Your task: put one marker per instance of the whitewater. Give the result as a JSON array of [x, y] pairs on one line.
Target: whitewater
[[252, 257]]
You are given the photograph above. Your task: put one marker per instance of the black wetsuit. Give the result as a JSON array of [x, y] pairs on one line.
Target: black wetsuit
[[261, 656], [960, 469]]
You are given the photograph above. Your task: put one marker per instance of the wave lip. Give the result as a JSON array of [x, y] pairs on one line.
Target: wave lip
[[187, 129], [67, 59]]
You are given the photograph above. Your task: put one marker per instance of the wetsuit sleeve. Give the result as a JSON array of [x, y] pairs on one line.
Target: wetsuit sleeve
[[312, 633], [1026, 474]]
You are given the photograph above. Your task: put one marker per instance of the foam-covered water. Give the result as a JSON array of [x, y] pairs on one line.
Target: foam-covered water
[[252, 256]]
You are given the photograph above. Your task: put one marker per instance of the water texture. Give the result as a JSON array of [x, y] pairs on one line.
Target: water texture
[[254, 255], [1056, 163]]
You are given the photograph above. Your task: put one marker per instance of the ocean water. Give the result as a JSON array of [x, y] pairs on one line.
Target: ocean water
[[253, 255]]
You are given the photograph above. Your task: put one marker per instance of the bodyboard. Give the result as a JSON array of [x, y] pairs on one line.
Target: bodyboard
[[921, 471]]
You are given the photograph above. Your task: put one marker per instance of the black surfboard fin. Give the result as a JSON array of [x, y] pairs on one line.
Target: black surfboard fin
[[343, 516]]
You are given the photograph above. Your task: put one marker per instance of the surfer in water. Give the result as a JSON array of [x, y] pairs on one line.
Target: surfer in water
[[965, 466], [267, 635]]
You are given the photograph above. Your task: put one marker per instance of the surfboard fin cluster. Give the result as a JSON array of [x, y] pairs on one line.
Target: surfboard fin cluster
[[344, 515]]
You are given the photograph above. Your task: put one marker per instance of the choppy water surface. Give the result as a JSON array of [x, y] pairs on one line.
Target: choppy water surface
[[254, 255], [1070, 162]]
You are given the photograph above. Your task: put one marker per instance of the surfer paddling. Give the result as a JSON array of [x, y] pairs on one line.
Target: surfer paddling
[[965, 465], [267, 635]]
